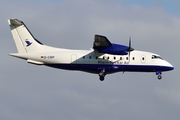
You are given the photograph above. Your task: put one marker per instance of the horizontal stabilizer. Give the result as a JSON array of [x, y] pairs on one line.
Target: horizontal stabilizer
[[35, 62], [15, 22]]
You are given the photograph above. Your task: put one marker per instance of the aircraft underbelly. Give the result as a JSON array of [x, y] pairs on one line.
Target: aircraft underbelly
[[96, 68]]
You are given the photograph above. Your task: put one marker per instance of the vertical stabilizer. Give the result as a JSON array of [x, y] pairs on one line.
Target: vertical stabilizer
[[24, 40]]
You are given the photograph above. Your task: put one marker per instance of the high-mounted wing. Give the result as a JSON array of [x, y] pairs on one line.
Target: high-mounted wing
[[101, 42], [103, 45]]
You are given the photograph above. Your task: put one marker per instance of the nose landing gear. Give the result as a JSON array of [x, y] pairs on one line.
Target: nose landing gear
[[159, 77], [159, 73], [102, 75]]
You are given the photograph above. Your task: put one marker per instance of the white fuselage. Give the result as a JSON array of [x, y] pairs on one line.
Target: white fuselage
[[92, 61]]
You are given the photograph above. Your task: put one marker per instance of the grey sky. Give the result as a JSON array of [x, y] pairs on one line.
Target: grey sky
[[41, 93]]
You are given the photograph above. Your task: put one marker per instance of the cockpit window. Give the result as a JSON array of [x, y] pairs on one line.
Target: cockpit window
[[156, 57]]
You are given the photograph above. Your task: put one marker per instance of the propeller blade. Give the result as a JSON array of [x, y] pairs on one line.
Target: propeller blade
[[129, 50], [129, 43]]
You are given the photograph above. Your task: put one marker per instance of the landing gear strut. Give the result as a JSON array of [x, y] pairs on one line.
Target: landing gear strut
[[158, 73], [102, 75]]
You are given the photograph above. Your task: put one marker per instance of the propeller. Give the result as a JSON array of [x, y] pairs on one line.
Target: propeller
[[130, 48]]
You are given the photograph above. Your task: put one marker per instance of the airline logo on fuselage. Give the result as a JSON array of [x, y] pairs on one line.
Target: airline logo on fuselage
[[28, 43]]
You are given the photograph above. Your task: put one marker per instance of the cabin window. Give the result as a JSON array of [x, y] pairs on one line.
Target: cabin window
[[108, 57], [96, 57], [103, 57], [114, 58], [89, 57], [126, 58], [83, 57], [120, 58], [133, 58], [143, 58]]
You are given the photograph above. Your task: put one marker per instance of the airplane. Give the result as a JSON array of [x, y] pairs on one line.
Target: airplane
[[104, 58]]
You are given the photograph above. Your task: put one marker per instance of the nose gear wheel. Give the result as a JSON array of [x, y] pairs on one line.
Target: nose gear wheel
[[159, 77], [102, 75]]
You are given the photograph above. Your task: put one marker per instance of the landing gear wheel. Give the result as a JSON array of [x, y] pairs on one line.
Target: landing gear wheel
[[102, 75], [101, 78], [159, 73], [159, 77]]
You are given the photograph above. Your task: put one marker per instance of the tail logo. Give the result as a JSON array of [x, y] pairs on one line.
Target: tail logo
[[28, 43]]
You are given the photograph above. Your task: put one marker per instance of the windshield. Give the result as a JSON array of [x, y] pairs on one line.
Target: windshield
[[156, 57]]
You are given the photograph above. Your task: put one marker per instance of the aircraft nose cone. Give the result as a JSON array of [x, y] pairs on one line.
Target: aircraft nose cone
[[169, 66]]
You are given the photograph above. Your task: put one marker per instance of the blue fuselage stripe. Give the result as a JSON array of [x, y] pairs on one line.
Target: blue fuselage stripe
[[96, 68]]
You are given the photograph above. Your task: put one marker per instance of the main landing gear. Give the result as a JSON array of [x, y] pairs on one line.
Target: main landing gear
[[159, 73], [102, 75]]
